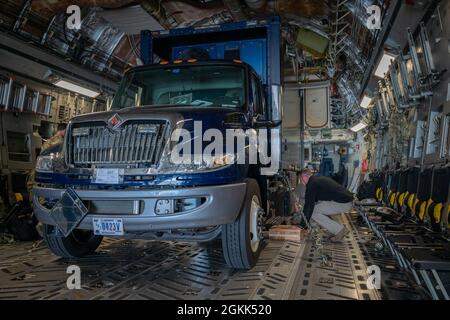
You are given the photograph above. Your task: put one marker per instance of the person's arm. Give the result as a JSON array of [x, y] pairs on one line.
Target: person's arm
[[310, 199]]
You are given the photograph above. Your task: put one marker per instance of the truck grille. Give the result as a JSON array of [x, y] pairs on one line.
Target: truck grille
[[135, 142]]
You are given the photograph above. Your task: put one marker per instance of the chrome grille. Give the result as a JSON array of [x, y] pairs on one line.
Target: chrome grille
[[132, 143]]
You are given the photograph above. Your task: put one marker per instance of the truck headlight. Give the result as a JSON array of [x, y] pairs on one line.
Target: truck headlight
[[208, 163], [46, 163]]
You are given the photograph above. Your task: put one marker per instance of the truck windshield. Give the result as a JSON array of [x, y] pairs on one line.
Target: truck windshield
[[193, 85]]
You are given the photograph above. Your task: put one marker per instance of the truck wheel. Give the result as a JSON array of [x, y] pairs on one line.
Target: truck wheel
[[209, 244], [78, 244], [241, 240]]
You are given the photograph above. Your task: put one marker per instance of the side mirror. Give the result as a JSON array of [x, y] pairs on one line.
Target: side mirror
[[235, 120], [266, 123]]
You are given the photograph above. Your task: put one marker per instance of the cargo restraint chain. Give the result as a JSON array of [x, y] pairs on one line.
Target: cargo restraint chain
[[314, 230]]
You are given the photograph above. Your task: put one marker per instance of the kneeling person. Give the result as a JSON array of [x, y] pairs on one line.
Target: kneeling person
[[325, 197]]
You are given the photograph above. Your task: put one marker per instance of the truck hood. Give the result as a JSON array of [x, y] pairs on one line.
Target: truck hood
[[178, 116]]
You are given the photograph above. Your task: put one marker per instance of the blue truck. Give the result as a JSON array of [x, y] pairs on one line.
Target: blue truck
[[113, 175]]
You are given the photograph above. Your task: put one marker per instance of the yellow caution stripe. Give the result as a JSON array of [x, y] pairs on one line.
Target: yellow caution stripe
[[392, 198], [448, 216], [402, 197], [416, 201], [18, 196], [410, 201], [424, 206], [437, 212]]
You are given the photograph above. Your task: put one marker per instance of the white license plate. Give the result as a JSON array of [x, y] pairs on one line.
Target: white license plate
[[108, 175], [108, 226]]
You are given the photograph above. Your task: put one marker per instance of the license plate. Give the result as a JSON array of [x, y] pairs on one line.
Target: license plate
[[108, 226], [108, 175]]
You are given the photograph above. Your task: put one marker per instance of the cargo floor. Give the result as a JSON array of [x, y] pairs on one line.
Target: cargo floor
[[123, 269]]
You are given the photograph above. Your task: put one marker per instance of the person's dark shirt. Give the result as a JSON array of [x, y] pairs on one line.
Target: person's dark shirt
[[324, 189]]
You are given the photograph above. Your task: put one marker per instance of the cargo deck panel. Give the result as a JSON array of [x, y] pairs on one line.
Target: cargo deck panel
[[124, 269]]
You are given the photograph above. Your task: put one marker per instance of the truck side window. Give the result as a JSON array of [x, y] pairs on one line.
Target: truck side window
[[255, 94], [262, 105], [258, 96]]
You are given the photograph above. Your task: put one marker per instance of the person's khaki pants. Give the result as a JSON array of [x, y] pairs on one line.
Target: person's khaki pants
[[324, 209]]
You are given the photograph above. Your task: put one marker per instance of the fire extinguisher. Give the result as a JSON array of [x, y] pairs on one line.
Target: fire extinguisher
[[364, 166]]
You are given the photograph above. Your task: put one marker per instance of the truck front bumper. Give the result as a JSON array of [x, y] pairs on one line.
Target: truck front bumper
[[221, 206]]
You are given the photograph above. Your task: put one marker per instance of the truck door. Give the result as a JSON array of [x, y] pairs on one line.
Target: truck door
[[257, 111]]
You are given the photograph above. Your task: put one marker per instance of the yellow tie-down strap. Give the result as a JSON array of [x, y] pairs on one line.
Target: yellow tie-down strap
[[402, 197], [424, 208]]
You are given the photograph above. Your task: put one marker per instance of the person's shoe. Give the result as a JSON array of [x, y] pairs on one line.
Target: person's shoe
[[296, 218], [40, 229], [303, 224], [340, 235]]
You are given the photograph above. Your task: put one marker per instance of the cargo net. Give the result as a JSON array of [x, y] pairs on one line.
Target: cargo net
[[314, 232]]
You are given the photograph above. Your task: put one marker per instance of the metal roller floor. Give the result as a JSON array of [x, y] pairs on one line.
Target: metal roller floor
[[123, 269]]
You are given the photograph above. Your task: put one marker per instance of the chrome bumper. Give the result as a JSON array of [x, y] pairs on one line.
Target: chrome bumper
[[222, 206]]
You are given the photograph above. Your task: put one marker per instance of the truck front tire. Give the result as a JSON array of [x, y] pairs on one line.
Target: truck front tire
[[241, 240], [78, 244]]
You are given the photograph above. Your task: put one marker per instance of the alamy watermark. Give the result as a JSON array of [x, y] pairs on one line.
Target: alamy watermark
[[73, 22], [374, 279], [374, 20], [231, 146], [74, 280]]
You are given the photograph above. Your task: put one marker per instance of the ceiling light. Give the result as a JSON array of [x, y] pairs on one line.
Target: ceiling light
[[365, 102], [383, 65], [358, 127], [76, 88]]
